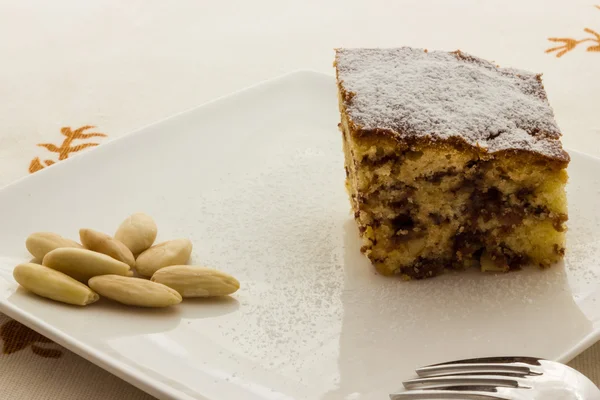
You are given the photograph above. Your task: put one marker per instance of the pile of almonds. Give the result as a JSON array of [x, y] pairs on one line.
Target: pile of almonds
[[76, 274]]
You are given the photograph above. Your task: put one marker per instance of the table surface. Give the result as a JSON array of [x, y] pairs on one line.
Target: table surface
[[109, 67]]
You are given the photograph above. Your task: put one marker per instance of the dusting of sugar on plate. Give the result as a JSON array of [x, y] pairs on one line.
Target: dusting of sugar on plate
[[443, 95]]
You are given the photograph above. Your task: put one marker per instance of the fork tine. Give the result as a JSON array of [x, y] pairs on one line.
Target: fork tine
[[441, 382], [473, 368], [498, 360], [446, 395]]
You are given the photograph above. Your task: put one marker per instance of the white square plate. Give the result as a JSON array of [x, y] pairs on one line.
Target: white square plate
[[256, 181]]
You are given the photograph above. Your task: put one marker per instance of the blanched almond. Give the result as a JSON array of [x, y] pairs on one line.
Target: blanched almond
[[193, 281], [41, 243], [173, 252], [82, 264], [134, 291], [52, 284], [103, 243], [137, 232]]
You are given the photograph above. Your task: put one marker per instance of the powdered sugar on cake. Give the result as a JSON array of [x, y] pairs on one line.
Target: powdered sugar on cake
[[444, 95]]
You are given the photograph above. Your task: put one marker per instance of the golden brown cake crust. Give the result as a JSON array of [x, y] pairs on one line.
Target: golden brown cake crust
[[420, 97]]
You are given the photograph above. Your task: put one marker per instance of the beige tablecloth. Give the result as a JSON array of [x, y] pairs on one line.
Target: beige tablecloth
[[75, 74]]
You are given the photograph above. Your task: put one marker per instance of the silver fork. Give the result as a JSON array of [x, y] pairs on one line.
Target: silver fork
[[498, 378]]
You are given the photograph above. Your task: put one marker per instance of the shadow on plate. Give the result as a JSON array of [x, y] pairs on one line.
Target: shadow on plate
[[198, 308]]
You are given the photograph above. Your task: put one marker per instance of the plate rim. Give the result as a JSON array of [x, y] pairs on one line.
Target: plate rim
[[133, 376]]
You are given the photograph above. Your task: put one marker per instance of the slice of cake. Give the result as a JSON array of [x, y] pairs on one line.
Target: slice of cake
[[451, 162]]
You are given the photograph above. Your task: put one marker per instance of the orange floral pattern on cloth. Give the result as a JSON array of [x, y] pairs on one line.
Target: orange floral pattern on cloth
[[569, 44], [66, 147], [17, 336]]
